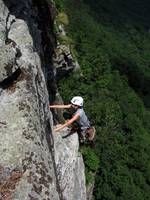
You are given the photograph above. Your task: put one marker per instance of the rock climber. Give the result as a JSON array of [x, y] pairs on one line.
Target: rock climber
[[85, 130]]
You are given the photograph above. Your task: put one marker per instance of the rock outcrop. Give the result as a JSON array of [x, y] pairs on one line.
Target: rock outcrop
[[69, 164], [27, 164], [63, 60]]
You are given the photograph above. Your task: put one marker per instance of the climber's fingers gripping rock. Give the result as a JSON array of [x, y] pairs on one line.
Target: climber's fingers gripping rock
[[57, 127]]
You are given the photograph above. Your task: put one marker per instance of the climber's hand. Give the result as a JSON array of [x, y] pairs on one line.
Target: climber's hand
[[57, 127], [56, 130]]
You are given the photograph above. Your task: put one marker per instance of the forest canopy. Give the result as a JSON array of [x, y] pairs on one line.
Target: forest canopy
[[111, 40]]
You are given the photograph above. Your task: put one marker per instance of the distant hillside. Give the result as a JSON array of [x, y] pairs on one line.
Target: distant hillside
[[111, 40]]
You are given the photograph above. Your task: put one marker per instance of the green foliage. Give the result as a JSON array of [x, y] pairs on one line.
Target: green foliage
[[62, 18], [65, 40], [113, 52], [90, 176], [59, 4], [91, 160]]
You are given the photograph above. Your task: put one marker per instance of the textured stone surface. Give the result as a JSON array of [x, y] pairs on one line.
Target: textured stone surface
[[63, 60], [70, 167], [89, 191], [26, 162]]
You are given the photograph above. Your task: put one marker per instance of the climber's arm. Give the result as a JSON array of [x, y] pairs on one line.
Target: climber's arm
[[69, 122], [60, 106]]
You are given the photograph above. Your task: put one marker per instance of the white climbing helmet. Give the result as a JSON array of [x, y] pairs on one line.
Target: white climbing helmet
[[77, 101]]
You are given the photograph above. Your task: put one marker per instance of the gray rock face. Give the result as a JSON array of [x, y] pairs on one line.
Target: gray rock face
[[28, 169], [70, 167], [63, 60], [26, 162]]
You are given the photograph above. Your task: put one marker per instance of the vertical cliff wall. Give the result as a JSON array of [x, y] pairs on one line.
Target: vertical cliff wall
[[69, 165], [32, 161], [26, 162]]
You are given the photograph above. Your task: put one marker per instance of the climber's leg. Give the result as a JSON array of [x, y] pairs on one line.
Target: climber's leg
[[90, 133], [82, 136]]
